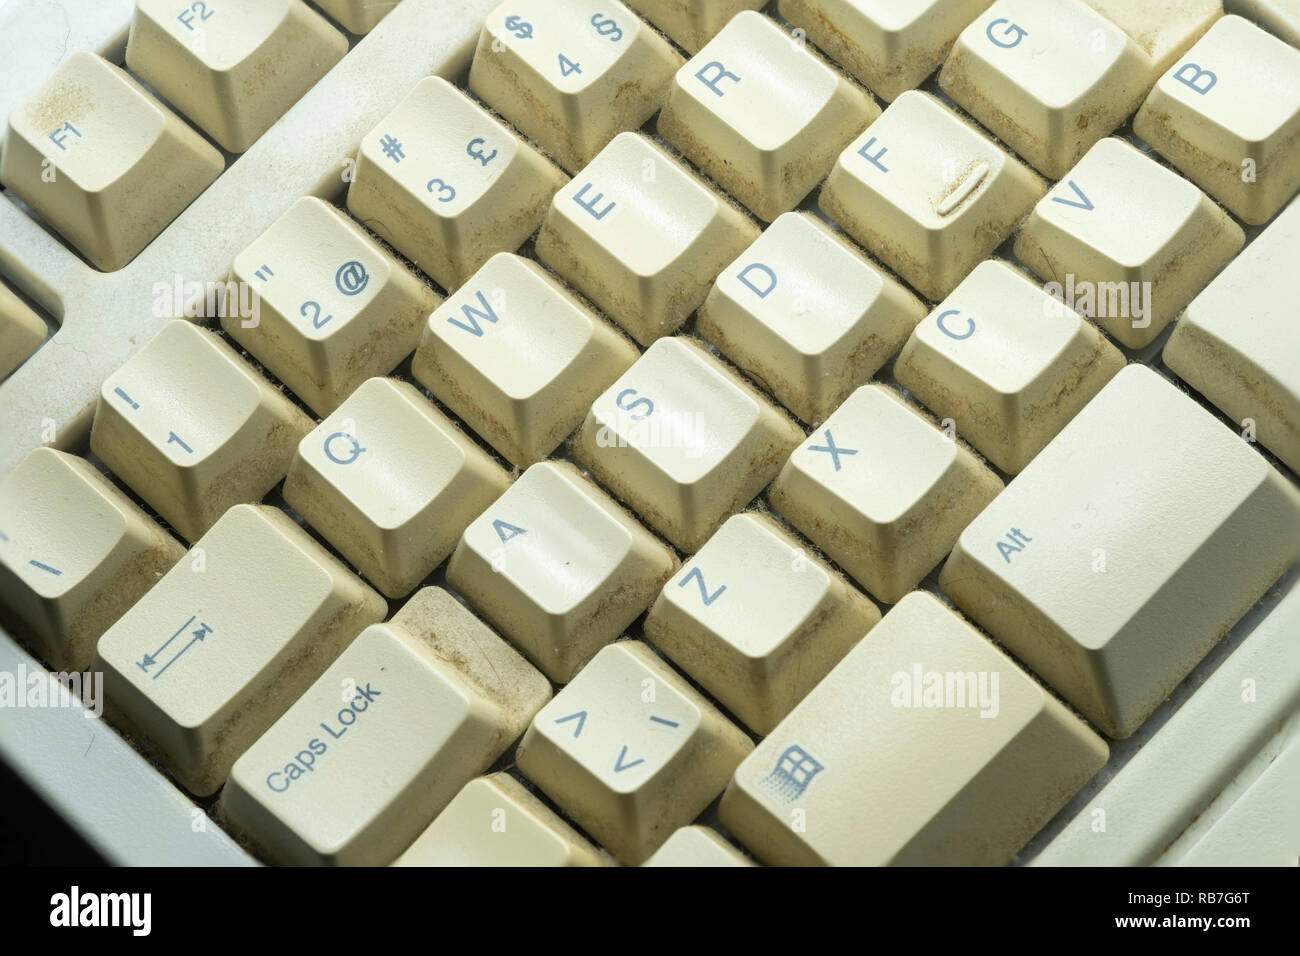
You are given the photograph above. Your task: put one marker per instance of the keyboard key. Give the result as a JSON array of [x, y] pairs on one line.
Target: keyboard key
[[447, 185], [384, 738], [75, 553], [760, 314], [882, 491], [233, 67], [761, 115], [697, 846], [1228, 116], [1126, 549], [496, 821], [607, 234], [22, 331], [1163, 30], [392, 483], [358, 16], [192, 429], [1048, 77], [1279, 17], [334, 308], [1237, 342], [518, 358], [228, 640], [925, 746], [571, 74], [683, 441], [1007, 363], [691, 23], [1126, 242], [102, 161], [558, 567], [756, 620], [630, 750], [891, 47], [928, 193]]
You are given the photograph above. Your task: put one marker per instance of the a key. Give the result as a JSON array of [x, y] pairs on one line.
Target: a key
[[692, 23], [1126, 549], [630, 750], [697, 846], [928, 193], [358, 16], [558, 567], [1279, 17], [1125, 242], [757, 620], [642, 237], [228, 640], [1009, 364], [497, 821], [1162, 29], [192, 429], [761, 115], [882, 491], [683, 441], [234, 67], [102, 161], [1237, 342], [518, 358], [571, 74], [392, 483], [807, 316], [1048, 77], [1228, 116], [21, 331], [75, 553], [333, 308], [384, 738], [925, 746], [890, 46], [447, 184]]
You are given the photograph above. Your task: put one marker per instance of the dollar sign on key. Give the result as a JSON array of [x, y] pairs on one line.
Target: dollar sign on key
[[607, 27], [519, 27]]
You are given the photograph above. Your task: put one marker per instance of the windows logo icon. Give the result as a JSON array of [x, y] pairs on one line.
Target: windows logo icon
[[794, 771]]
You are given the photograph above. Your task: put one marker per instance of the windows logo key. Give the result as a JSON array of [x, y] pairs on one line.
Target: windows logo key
[[794, 771]]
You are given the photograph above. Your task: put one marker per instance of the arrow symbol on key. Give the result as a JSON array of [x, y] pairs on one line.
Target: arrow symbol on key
[[620, 766], [580, 717]]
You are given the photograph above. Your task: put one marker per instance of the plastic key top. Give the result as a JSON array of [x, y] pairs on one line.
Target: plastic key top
[[381, 742], [124, 166], [1128, 547], [232, 66], [21, 331], [1162, 29], [890, 46], [691, 23], [571, 74], [1048, 77], [75, 553], [760, 315], [447, 184], [334, 308], [1228, 116], [497, 821], [882, 491], [1126, 242], [925, 746], [928, 193], [756, 620], [630, 750], [1237, 342], [518, 358], [761, 116], [193, 429], [558, 567], [697, 846], [1007, 363], [1279, 17], [228, 640], [683, 441], [607, 234]]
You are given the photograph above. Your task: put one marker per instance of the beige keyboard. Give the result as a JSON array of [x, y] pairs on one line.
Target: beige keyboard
[[584, 433]]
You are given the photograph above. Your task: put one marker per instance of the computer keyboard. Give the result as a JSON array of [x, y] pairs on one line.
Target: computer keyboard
[[682, 434]]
